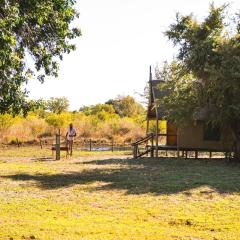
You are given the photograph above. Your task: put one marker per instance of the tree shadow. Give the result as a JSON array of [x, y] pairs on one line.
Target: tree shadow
[[43, 159], [146, 175]]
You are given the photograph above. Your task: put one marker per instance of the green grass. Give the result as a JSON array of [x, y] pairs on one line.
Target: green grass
[[100, 196]]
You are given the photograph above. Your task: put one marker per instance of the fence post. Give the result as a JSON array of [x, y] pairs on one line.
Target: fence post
[[90, 145], [112, 144], [17, 142], [58, 146], [41, 143]]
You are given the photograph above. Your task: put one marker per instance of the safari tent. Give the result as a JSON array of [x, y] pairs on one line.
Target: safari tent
[[196, 136]]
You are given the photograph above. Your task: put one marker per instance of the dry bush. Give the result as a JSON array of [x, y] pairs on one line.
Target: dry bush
[[26, 129], [122, 130], [85, 126], [34, 127]]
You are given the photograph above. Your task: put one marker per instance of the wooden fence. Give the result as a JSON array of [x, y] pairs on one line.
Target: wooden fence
[[89, 144]]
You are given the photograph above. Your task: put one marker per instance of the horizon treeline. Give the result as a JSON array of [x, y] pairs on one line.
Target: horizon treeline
[[121, 119]]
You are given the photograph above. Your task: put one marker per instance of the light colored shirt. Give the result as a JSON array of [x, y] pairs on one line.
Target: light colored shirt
[[71, 134]]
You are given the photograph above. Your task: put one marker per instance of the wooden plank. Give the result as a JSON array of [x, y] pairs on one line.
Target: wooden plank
[[143, 153], [142, 140]]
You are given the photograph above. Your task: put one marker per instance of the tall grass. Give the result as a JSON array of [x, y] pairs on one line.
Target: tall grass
[[36, 126]]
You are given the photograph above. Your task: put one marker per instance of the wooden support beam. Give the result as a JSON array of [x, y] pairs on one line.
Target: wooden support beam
[[178, 153], [147, 130], [135, 151], [152, 148], [156, 136], [196, 154]]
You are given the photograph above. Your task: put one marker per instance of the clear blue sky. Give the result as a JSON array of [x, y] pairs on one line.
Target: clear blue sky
[[120, 39]]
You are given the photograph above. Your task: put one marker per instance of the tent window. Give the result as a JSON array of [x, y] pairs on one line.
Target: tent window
[[211, 133]]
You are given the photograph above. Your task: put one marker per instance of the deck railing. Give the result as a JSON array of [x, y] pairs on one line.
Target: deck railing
[[141, 147]]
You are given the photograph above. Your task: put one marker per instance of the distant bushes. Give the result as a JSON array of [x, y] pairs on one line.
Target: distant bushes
[[121, 119], [34, 127]]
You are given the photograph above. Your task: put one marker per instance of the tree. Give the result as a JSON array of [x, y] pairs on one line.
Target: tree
[[59, 120], [207, 72], [102, 111], [39, 30], [58, 105], [180, 104], [95, 109], [126, 106]]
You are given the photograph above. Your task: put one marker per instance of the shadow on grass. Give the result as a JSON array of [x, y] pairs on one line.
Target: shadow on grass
[[43, 159], [140, 176]]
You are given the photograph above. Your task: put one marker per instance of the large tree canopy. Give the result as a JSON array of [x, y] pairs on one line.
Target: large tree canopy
[[36, 29], [58, 105], [206, 74], [126, 106]]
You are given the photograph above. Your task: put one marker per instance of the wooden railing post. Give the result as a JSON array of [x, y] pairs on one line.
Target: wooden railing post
[[135, 151], [196, 154], [152, 148]]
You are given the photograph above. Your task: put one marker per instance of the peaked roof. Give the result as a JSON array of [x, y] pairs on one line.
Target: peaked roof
[[155, 93]]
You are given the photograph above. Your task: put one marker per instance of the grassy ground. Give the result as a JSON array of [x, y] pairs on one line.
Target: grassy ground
[[100, 196]]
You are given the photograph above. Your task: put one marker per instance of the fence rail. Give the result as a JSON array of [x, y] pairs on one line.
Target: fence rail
[[84, 144]]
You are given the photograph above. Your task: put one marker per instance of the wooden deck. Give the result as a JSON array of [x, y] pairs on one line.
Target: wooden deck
[[185, 151], [175, 148], [142, 148]]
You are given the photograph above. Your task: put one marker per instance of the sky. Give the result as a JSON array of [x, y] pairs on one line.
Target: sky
[[120, 40]]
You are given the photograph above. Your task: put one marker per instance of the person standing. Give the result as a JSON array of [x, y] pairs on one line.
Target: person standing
[[71, 133]]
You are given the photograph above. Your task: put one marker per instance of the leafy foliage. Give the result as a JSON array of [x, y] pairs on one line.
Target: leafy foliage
[[126, 106], [59, 120], [207, 74], [36, 29], [207, 71], [101, 111], [57, 105], [180, 104]]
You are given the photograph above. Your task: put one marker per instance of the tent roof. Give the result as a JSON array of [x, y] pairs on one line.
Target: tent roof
[[154, 94]]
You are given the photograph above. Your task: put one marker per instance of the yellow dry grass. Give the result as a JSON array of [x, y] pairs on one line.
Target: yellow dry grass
[[103, 196]]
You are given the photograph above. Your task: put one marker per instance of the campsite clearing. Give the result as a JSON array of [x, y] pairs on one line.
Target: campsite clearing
[[106, 196]]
